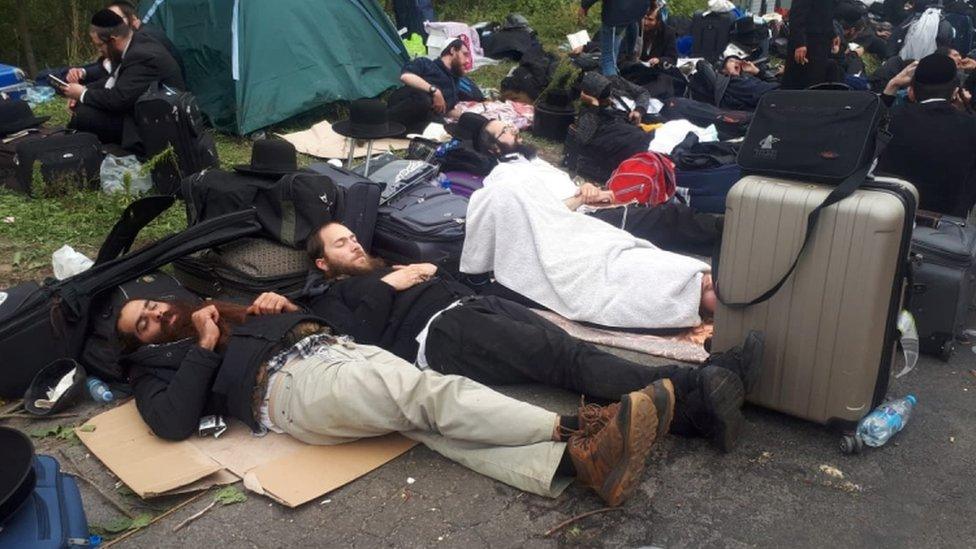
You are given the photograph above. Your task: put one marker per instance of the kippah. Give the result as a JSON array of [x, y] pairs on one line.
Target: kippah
[[935, 69], [106, 19]]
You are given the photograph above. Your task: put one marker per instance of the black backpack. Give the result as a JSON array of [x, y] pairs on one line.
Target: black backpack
[[531, 76]]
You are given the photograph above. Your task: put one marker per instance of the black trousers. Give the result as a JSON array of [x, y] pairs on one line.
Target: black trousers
[[818, 68], [497, 342], [411, 107], [672, 227], [106, 125]]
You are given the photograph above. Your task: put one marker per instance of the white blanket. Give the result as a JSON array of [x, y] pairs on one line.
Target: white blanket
[[580, 267]]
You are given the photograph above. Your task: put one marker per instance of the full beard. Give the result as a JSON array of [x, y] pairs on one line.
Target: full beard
[[359, 268], [457, 68], [178, 321]]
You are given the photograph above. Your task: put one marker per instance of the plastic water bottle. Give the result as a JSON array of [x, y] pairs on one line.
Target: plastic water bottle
[[886, 420], [99, 390]]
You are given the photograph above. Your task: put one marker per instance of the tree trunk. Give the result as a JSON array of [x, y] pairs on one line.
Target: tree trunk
[[74, 42], [24, 31]]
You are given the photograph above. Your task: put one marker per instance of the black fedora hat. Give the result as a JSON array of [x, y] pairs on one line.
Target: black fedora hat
[[16, 115], [367, 120], [746, 31], [468, 129], [271, 157]]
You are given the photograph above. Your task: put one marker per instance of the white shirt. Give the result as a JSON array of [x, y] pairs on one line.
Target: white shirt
[[110, 83]]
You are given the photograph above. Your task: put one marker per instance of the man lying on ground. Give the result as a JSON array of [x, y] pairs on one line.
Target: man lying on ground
[[673, 227], [277, 369], [432, 89], [422, 315]]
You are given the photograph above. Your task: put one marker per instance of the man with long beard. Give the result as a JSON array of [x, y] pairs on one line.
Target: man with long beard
[[422, 315], [431, 89], [275, 368]]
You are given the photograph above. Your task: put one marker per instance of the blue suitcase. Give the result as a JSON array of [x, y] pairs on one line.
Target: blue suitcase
[[705, 190], [13, 81], [52, 517]]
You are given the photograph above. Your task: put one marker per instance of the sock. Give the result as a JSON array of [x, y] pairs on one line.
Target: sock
[[565, 468], [569, 422]]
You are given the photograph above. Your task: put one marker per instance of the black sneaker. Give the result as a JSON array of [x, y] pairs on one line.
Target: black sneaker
[[745, 360], [722, 395]]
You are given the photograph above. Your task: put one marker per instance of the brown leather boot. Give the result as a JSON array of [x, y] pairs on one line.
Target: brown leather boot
[[610, 460], [662, 394]]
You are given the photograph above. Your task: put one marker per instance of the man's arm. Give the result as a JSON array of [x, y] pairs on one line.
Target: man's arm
[[132, 83], [410, 78], [799, 15], [361, 311], [173, 409]]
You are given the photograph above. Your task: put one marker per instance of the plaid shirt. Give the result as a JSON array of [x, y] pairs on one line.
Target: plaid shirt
[[309, 346]]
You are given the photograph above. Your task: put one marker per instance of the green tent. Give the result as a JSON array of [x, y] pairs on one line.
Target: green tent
[[254, 63]]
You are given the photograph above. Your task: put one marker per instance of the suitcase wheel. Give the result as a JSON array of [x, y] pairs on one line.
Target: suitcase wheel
[[850, 444], [947, 349]]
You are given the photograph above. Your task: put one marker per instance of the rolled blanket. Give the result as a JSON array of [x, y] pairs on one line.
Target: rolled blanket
[[575, 265]]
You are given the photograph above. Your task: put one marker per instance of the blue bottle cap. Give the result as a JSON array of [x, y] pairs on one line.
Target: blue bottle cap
[[911, 398]]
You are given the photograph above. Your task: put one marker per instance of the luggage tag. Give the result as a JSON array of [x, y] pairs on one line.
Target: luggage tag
[[909, 341]]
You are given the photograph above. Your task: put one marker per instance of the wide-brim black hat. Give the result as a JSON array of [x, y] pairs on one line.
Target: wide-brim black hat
[[16, 115], [367, 120], [468, 129], [272, 157], [48, 378]]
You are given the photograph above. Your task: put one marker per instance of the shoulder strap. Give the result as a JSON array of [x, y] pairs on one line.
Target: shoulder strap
[[842, 191], [139, 214]]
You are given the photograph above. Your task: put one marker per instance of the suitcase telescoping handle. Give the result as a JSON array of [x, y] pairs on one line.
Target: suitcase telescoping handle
[[842, 191]]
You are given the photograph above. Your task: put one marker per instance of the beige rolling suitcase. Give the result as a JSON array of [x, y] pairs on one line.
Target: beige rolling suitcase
[[831, 327]]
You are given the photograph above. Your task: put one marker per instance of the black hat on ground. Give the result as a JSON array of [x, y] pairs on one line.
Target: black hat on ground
[[16, 115], [273, 157], [367, 120], [36, 398], [935, 69], [468, 129]]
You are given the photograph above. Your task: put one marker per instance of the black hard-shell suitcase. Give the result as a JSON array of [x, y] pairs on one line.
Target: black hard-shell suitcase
[[66, 161], [53, 517], [243, 269], [51, 321], [424, 223], [944, 281], [360, 204], [167, 117]]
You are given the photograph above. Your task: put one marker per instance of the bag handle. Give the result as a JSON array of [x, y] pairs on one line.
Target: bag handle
[[842, 191]]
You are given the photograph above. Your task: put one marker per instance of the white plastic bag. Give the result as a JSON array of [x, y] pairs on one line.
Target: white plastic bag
[[113, 174], [67, 262]]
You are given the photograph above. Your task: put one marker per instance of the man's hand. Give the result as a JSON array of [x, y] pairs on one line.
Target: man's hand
[[749, 67], [800, 55], [962, 99], [884, 34], [205, 322], [405, 277], [968, 64], [581, 15], [635, 117], [901, 80], [75, 76], [71, 105], [270, 303], [589, 192], [73, 91], [653, 62], [440, 105]]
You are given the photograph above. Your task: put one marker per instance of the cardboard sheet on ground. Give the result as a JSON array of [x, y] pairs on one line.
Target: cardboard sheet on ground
[[278, 466], [322, 142]]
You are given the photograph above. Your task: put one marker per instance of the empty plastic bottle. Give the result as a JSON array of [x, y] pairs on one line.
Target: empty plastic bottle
[[886, 420], [99, 390]]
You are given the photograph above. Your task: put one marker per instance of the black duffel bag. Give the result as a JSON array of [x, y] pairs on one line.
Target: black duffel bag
[[824, 136], [289, 209]]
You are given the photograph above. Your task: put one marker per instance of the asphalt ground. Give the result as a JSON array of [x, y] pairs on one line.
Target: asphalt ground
[[918, 490]]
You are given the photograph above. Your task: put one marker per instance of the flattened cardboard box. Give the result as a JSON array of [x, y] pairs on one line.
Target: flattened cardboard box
[[278, 466]]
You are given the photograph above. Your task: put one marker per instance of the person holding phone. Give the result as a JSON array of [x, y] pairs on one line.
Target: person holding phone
[[106, 107]]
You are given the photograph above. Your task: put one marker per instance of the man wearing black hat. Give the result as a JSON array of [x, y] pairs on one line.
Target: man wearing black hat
[[933, 141], [433, 88], [811, 34], [106, 107]]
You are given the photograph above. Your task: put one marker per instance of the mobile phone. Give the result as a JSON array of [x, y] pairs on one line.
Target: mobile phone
[[57, 82]]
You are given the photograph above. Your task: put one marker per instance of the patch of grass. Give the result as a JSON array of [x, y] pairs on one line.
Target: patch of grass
[[552, 19], [491, 76]]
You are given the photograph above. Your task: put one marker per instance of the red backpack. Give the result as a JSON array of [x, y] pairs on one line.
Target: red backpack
[[646, 177]]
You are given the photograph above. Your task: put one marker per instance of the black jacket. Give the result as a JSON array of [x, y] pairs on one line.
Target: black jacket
[[145, 62], [661, 44], [932, 147], [175, 384], [810, 17], [96, 71], [373, 313], [620, 12]]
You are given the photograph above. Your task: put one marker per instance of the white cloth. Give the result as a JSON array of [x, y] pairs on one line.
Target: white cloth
[[920, 40], [578, 266], [422, 337], [536, 172], [720, 6], [672, 133]]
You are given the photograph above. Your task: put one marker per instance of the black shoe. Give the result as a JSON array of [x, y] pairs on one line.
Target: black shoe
[[722, 396], [745, 360]]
